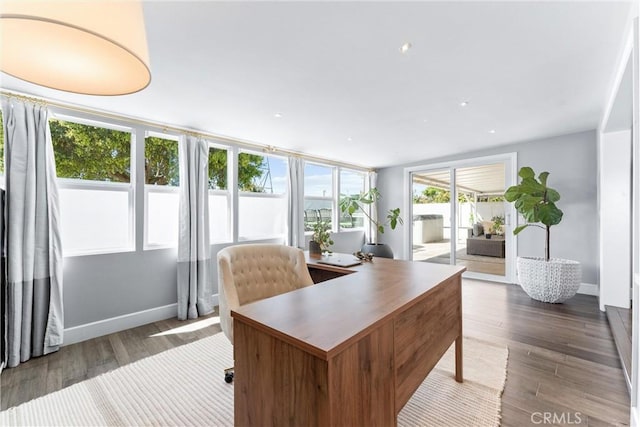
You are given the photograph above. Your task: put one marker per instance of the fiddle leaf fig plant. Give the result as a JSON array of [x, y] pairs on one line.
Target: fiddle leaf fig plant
[[536, 202], [358, 202]]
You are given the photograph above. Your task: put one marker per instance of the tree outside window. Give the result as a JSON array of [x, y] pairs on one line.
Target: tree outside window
[[161, 162], [90, 152]]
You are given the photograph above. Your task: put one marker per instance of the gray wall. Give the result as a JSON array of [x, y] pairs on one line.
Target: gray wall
[[571, 161], [100, 287]]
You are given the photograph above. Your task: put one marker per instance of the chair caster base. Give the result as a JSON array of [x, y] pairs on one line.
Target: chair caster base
[[228, 375]]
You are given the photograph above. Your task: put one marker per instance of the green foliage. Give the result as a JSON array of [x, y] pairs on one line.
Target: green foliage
[[161, 164], [89, 152], [535, 202], [218, 169], [351, 204], [100, 154], [438, 195], [322, 236], [250, 167], [498, 222], [434, 195], [484, 198]]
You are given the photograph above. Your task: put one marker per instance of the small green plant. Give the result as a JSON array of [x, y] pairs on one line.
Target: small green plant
[[498, 222], [358, 202], [322, 236], [535, 202]]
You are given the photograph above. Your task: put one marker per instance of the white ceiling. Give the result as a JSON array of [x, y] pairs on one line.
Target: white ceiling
[[485, 179], [335, 72]]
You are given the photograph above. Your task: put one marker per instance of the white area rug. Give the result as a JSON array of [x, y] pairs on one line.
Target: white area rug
[[184, 387]]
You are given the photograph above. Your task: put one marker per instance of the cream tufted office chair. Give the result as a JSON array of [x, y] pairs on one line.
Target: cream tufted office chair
[[248, 273]]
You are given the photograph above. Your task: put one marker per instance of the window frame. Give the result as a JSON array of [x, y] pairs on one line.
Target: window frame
[[364, 188], [283, 195], [153, 188], [80, 184], [87, 184], [332, 198], [336, 177], [227, 193]]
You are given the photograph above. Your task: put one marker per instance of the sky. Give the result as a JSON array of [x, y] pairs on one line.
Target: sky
[[317, 179]]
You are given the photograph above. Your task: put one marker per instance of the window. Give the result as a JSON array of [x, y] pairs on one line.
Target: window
[[88, 152], [262, 201], [318, 195], [93, 163], [219, 196], [218, 175], [321, 201], [162, 180], [351, 185]]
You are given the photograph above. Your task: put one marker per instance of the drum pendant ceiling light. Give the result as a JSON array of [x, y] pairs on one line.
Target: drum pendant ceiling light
[[88, 47]]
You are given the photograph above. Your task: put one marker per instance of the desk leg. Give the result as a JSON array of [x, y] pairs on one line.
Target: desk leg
[[459, 358]]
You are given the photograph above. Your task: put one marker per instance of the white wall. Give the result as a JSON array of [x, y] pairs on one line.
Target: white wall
[[346, 242], [614, 150]]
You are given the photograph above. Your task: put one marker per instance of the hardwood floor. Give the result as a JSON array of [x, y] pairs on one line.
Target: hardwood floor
[[78, 362], [563, 363], [620, 320], [563, 366]]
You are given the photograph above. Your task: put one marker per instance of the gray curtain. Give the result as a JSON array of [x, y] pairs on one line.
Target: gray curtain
[[195, 287], [34, 318], [296, 203], [370, 230]]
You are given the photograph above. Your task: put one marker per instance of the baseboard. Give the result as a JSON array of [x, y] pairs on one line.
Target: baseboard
[[120, 323], [589, 289]]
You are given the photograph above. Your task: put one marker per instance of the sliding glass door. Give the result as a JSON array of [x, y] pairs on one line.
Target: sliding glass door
[[480, 214], [431, 225], [460, 217]]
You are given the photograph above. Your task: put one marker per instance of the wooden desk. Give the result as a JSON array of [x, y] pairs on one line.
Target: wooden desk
[[350, 351]]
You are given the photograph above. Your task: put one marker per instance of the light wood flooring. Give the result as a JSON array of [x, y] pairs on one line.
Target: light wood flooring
[[562, 359]]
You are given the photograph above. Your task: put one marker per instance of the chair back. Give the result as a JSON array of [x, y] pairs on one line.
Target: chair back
[[252, 272]]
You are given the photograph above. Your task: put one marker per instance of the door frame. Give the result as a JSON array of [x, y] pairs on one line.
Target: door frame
[[510, 161]]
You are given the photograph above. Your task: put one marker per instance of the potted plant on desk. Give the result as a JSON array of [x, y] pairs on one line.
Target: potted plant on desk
[[544, 279], [320, 240], [352, 204]]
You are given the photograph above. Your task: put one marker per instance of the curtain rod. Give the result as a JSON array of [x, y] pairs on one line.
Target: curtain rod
[[165, 127]]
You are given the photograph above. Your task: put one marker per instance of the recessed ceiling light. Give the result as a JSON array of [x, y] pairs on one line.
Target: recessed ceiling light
[[405, 47], [464, 103], [349, 139], [492, 131], [277, 115]]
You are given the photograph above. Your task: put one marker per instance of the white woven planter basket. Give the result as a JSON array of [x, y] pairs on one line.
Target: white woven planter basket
[[555, 280]]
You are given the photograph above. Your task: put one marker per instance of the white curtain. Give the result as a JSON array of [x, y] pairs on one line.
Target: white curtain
[[296, 203], [32, 299], [195, 287], [371, 232]]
